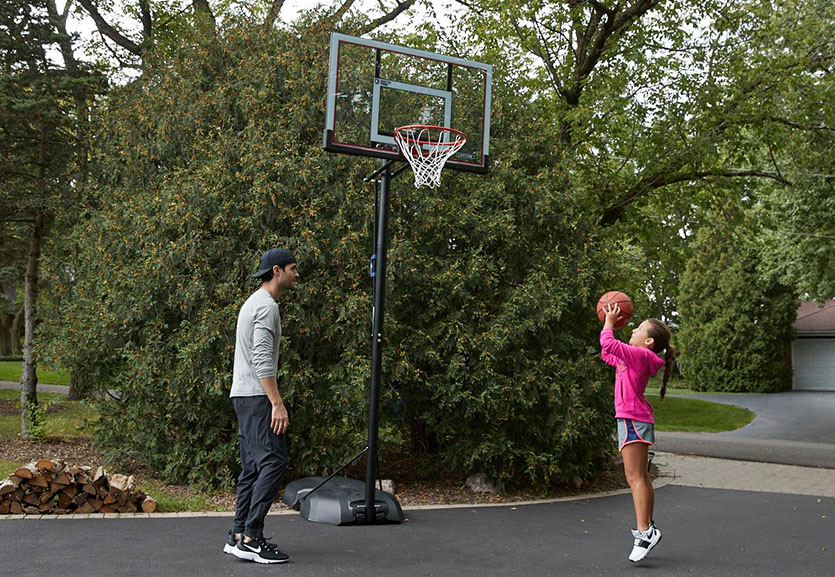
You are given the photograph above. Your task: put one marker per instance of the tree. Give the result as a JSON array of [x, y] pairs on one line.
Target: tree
[[158, 26], [616, 130], [657, 115], [214, 155], [39, 142], [736, 316], [12, 247], [35, 156]]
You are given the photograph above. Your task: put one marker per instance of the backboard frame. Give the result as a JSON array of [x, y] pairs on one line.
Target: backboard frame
[[382, 145]]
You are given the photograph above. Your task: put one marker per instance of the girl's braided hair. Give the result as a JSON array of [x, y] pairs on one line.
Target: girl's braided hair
[[660, 333]]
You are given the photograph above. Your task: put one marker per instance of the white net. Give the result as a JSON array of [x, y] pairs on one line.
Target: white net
[[427, 148]]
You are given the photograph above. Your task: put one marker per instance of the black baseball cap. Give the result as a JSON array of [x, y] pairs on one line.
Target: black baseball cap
[[274, 257]]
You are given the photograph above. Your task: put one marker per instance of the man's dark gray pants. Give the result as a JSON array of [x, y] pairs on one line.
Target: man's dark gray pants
[[264, 460]]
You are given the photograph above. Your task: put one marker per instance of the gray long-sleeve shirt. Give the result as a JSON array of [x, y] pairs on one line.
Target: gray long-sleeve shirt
[[257, 338]]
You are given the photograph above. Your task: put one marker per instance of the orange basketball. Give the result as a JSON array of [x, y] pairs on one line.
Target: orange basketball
[[623, 301]]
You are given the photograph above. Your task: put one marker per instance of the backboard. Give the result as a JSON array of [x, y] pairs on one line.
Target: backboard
[[375, 87]]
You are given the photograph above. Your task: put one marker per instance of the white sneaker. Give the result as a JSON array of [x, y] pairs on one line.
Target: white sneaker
[[644, 542]]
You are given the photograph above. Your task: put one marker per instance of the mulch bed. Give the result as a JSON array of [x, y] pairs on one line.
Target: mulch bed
[[76, 450], [9, 408], [422, 481], [417, 481]]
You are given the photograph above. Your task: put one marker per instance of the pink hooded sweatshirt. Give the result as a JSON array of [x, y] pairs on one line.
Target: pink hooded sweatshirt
[[634, 366]]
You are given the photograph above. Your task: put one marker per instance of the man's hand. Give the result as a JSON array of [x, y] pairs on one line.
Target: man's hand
[[280, 421]]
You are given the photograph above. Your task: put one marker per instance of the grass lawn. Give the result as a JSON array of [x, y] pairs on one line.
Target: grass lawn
[[693, 415], [7, 468], [10, 371], [171, 501], [697, 416], [66, 419]]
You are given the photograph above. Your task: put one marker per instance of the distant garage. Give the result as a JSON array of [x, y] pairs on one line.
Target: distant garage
[[813, 349]]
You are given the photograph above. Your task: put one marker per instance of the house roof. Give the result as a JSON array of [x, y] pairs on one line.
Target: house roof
[[811, 318]]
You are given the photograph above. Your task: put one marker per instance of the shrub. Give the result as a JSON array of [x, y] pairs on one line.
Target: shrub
[[736, 319], [211, 158]]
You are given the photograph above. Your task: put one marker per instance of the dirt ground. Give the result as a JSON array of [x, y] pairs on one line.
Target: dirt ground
[[9, 408]]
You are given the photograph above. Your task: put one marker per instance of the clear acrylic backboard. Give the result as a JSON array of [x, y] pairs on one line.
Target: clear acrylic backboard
[[375, 87]]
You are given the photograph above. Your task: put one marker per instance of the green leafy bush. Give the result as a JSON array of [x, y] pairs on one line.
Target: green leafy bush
[[214, 156], [736, 319]]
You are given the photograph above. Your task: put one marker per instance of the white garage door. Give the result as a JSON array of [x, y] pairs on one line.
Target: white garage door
[[813, 360]]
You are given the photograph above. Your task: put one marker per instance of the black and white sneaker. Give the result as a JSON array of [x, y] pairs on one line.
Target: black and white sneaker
[[230, 542], [260, 551], [644, 542]]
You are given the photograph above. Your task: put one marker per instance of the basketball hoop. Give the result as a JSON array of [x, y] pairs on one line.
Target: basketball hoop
[[427, 148]]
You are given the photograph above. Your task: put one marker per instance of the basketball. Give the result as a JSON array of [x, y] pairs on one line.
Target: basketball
[[623, 301]]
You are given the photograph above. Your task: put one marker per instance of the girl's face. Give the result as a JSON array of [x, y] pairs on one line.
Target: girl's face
[[640, 336]]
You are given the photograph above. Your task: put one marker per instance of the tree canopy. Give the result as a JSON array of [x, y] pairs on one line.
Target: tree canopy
[[622, 133]]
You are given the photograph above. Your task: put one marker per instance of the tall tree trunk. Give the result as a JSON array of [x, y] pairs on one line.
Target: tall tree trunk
[[78, 386], [78, 381], [15, 333], [5, 333], [28, 374], [80, 92], [28, 377]]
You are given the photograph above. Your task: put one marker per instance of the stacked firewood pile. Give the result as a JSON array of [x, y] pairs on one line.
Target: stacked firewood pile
[[54, 487]]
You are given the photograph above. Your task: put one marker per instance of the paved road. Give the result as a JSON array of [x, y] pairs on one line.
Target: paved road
[[761, 450], [707, 532]]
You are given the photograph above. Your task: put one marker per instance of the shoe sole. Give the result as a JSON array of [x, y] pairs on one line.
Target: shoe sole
[[247, 556], [648, 549], [228, 549]]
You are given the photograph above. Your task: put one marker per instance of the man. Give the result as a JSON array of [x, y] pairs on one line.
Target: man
[[262, 417]]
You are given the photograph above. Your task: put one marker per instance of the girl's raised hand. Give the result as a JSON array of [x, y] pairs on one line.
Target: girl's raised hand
[[612, 313]]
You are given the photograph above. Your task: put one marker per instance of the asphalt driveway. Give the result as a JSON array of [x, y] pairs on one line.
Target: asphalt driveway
[[707, 532], [804, 416], [792, 428]]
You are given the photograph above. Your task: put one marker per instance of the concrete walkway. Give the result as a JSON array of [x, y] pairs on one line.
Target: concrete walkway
[[747, 449], [60, 389], [707, 472]]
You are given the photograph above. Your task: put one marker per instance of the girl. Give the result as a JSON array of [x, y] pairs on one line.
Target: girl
[[635, 363]]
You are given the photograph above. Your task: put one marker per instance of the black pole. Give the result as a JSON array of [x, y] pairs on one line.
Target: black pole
[[335, 473], [377, 344]]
